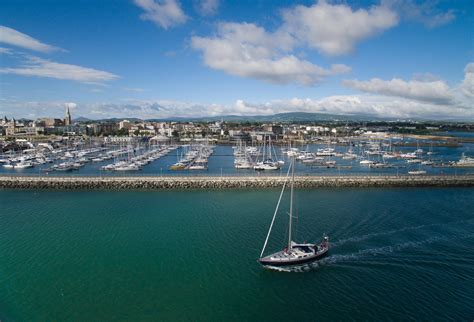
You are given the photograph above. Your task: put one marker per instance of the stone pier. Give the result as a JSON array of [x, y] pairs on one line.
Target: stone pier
[[250, 182]]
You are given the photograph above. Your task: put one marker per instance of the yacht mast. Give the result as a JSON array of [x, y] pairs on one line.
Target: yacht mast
[[291, 202], [275, 213], [269, 147]]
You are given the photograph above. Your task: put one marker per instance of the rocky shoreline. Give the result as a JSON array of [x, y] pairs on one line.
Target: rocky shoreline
[[166, 183]]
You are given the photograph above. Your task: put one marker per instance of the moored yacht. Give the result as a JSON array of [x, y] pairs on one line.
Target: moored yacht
[[127, 167], [267, 165], [417, 172], [366, 162], [465, 161], [8, 165], [24, 165], [178, 166]]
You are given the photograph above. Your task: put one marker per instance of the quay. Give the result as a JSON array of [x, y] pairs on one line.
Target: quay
[[208, 182]]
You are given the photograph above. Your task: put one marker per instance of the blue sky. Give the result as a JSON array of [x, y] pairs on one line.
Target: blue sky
[[162, 58]]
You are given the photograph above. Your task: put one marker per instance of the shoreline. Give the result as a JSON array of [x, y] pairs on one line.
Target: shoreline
[[212, 183]]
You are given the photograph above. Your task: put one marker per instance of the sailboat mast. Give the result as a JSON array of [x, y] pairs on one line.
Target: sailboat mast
[[291, 202], [276, 211], [269, 147]]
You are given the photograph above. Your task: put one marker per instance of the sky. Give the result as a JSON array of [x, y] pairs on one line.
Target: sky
[[168, 58]]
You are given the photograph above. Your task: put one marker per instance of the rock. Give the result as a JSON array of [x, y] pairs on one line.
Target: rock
[[185, 183]]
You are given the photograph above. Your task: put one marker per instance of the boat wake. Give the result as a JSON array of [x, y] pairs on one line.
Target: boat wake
[[364, 253], [390, 232]]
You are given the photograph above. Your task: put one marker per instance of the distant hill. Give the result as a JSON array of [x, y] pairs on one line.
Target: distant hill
[[112, 119], [81, 119], [280, 117]]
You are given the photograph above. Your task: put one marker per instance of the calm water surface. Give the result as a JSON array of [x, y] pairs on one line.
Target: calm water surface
[[221, 162], [397, 254]]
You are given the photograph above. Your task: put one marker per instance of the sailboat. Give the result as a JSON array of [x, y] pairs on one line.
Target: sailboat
[[268, 163], [294, 253]]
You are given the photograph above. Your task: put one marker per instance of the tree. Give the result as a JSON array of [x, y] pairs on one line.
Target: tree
[[175, 134], [122, 132]]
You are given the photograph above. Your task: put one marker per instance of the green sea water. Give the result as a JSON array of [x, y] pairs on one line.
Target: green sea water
[[397, 254]]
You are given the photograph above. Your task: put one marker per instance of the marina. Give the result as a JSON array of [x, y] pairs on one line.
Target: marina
[[151, 158], [151, 164]]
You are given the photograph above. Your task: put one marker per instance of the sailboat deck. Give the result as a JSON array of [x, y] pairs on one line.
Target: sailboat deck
[[295, 253]]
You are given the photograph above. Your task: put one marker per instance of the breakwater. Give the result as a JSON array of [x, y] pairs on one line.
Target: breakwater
[[164, 183]]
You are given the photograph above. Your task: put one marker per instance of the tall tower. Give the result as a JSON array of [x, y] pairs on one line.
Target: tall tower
[[67, 120]]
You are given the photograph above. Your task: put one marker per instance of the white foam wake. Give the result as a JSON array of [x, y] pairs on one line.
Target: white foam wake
[[364, 253], [341, 242]]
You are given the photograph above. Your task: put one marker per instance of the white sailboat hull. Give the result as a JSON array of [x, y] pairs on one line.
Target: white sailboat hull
[[299, 254]]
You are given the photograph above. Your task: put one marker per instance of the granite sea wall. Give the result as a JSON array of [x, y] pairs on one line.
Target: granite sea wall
[[160, 183]]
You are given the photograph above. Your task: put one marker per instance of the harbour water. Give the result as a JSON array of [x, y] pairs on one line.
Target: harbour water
[[221, 162], [397, 254]]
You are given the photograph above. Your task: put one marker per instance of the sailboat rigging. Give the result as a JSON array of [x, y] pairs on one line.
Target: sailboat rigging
[[294, 253]]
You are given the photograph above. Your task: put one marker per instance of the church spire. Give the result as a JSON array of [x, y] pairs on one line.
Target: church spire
[[68, 120]]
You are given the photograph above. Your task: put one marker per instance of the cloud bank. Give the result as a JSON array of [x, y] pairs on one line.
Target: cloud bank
[[247, 50], [358, 105], [436, 92]]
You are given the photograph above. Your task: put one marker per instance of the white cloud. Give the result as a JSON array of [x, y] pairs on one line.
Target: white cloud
[[436, 92], [423, 12], [426, 77], [35, 66], [15, 38], [245, 108], [6, 51], [32, 109], [392, 99], [133, 89], [358, 105], [376, 105], [149, 109], [70, 105], [467, 86], [164, 13], [247, 50], [208, 7], [335, 29]]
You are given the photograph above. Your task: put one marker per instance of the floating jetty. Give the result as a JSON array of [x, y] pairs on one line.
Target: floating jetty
[[254, 182]]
